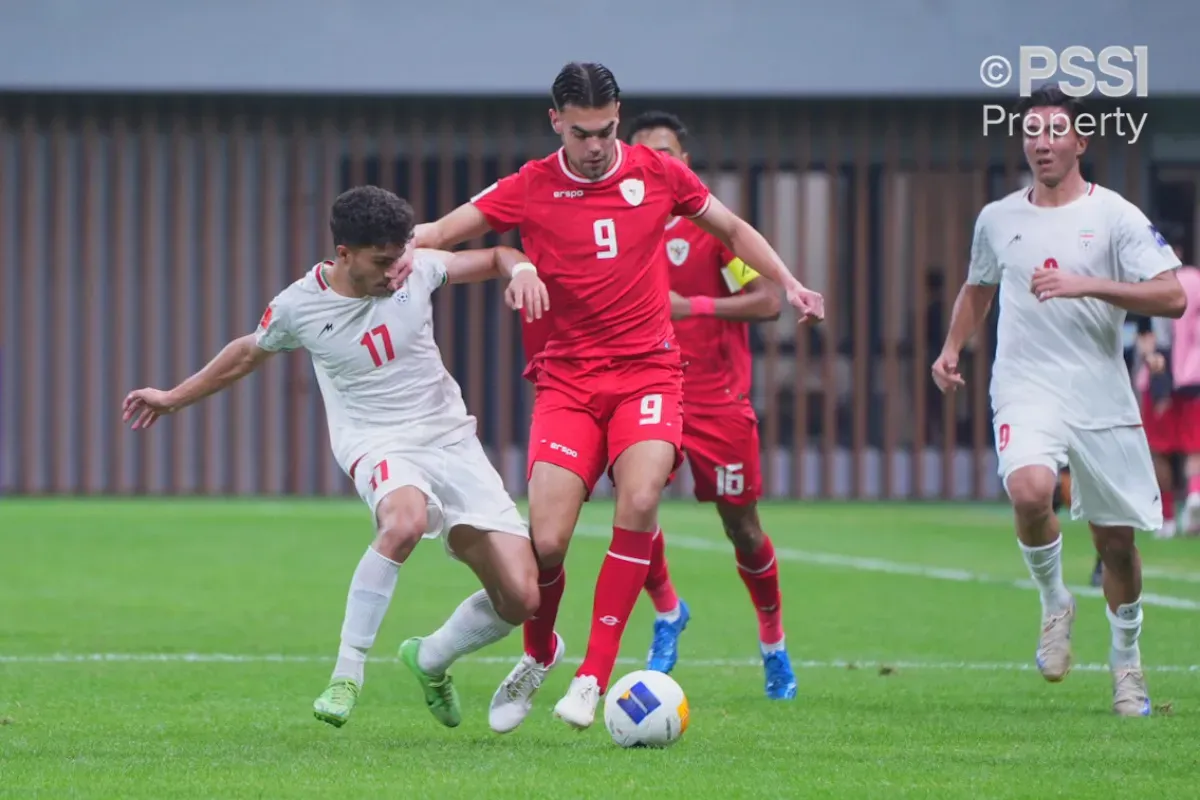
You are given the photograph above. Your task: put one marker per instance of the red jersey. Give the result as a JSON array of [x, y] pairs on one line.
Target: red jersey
[[594, 244], [534, 336], [716, 352]]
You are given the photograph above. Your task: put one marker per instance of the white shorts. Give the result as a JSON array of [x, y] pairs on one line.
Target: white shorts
[[459, 482], [1112, 473]]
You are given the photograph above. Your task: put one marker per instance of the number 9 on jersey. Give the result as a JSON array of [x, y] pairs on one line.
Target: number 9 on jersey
[[606, 238]]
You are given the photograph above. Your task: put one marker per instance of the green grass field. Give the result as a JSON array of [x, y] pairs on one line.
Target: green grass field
[[912, 633]]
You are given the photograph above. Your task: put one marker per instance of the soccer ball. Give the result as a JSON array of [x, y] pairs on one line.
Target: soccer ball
[[645, 709]]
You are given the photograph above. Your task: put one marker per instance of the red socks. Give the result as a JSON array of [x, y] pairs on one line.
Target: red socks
[[760, 573], [1193, 485], [622, 576], [1168, 504], [539, 629], [658, 579]]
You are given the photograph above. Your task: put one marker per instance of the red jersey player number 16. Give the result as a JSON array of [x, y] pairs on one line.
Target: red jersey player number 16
[[609, 379]]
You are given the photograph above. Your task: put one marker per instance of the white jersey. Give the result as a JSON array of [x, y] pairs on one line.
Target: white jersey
[[379, 369], [1065, 355]]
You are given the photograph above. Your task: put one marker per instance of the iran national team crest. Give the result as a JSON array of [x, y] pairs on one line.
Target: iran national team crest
[[1086, 237], [633, 190], [677, 251]]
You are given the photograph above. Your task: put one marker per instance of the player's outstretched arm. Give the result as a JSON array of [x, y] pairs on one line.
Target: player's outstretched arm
[[235, 361], [752, 247], [970, 310], [462, 224], [525, 291]]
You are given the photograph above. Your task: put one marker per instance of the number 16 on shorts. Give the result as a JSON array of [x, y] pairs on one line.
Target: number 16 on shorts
[[731, 481]]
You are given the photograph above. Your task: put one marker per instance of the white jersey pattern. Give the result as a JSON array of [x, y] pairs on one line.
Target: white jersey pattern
[[378, 366], [1065, 355]]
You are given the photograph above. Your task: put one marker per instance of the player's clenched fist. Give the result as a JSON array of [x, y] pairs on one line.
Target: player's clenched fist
[[809, 305], [945, 372], [527, 293], [144, 406]]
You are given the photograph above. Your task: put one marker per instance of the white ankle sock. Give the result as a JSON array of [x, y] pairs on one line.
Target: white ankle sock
[[473, 625], [672, 615], [1045, 567], [371, 591], [1126, 625]]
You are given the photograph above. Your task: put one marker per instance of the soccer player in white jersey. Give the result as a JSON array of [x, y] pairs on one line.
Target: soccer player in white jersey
[[399, 428], [1070, 259]]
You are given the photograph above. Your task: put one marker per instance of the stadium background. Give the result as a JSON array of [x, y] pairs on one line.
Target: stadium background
[[165, 169]]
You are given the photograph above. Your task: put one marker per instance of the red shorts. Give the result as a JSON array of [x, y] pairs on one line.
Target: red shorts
[[1176, 429], [586, 413], [721, 445]]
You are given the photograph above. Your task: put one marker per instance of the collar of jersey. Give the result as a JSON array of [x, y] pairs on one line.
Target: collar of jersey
[[562, 163]]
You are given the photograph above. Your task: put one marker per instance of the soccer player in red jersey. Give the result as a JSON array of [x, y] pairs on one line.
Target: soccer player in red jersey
[[609, 378], [714, 297]]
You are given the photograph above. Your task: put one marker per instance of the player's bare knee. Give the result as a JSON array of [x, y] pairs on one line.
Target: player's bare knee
[[518, 602], [550, 542], [401, 526], [637, 506], [1031, 490], [1115, 546]]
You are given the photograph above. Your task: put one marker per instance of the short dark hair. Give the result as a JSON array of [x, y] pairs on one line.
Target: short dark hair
[[659, 119], [367, 216], [584, 85], [1051, 96]]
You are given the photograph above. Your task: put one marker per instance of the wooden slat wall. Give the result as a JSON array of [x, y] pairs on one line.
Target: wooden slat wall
[[137, 235]]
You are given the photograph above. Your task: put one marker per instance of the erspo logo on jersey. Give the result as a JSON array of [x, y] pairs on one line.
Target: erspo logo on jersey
[[1116, 71]]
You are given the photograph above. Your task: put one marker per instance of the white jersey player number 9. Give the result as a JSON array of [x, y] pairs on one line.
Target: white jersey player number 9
[[606, 238]]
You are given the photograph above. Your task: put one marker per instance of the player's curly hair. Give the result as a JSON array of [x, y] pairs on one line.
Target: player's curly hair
[[367, 216], [1051, 96], [584, 85], [651, 120]]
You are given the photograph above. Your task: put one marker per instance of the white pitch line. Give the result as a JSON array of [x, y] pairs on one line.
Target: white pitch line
[[705, 663], [1170, 575], [863, 564]]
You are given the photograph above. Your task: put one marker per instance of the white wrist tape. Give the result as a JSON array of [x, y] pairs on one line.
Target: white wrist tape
[[524, 266]]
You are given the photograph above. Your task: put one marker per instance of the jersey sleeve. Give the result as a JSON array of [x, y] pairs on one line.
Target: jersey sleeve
[[503, 203], [1142, 252], [689, 193], [274, 333], [984, 269], [429, 271]]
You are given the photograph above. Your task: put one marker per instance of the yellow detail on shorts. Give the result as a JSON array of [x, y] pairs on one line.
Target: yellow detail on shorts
[[737, 274]]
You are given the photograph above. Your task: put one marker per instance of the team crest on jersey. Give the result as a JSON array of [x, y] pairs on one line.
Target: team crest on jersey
[[1086, 237], [633, 190], [677, 251]]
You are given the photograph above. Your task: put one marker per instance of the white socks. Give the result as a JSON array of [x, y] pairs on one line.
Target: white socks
[[1126, 624], [371, 591], [473, 625], [767, 649], [1045, 567]]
